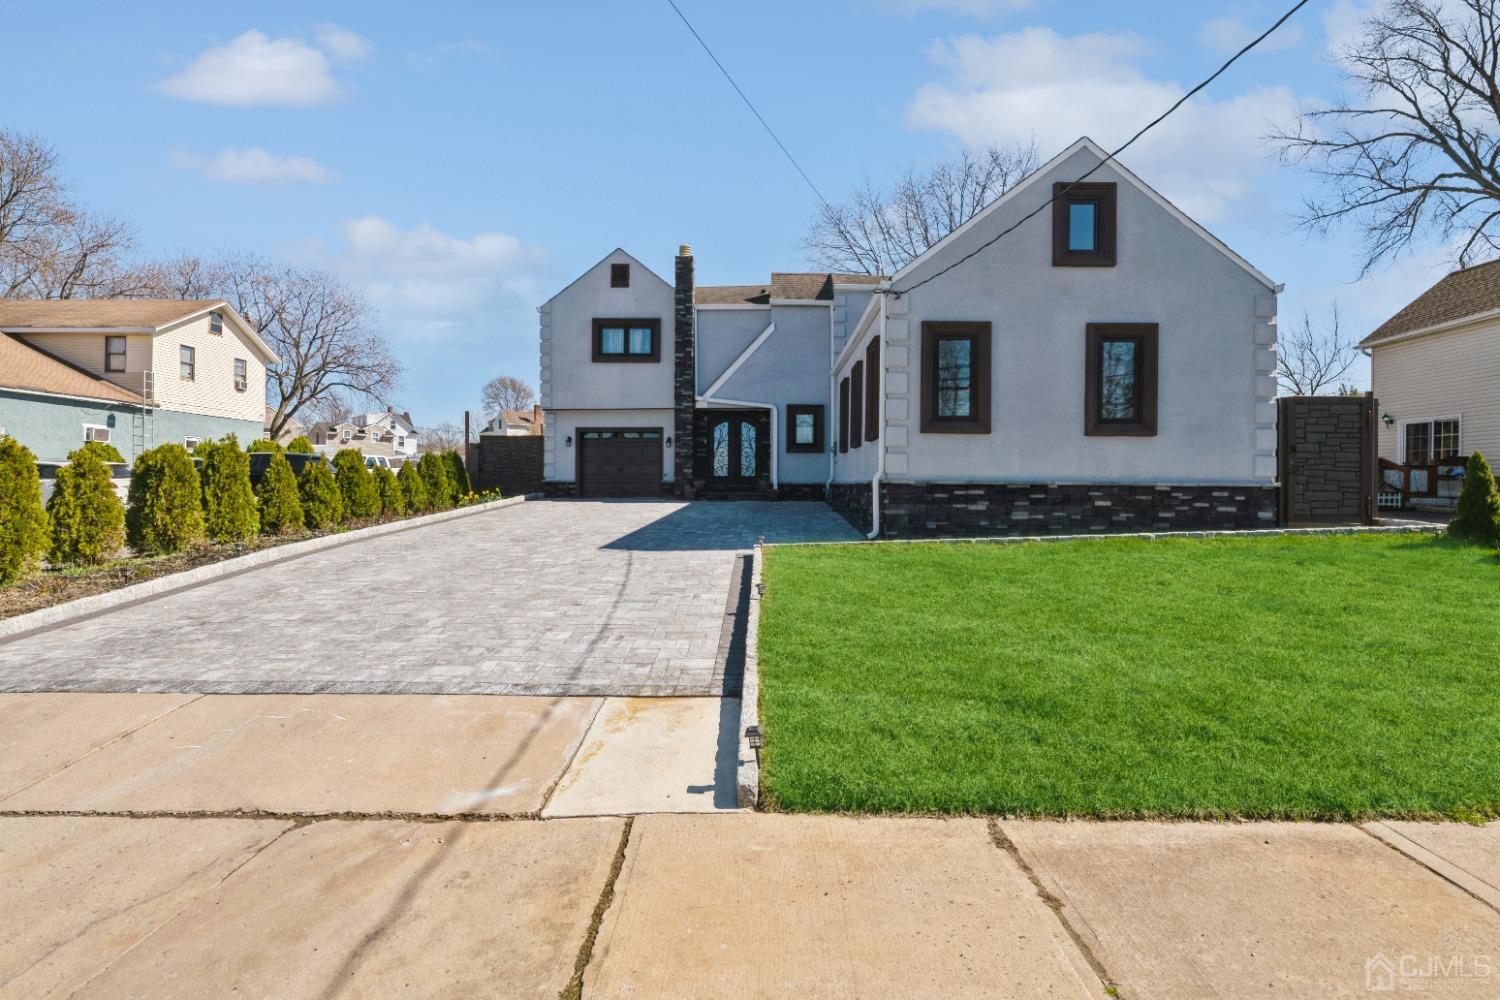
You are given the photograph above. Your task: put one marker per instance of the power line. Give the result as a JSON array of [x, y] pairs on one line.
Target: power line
[[758, 116], [1154, 122]]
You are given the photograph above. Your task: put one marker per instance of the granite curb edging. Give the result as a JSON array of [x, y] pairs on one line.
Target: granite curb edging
[[83, 607], [747, 776], [1393, 529]]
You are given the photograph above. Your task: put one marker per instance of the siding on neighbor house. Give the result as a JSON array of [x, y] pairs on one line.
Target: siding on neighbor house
[[1216, 415], [52, 426], [86, 350], [1437, 376], [211, 392]]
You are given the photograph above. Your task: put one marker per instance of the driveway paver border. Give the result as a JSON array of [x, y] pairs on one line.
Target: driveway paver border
[[60, 614], [747, 778]]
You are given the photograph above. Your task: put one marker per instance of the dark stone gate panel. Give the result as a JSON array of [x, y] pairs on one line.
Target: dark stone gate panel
[[513, 465], [1326, 459]]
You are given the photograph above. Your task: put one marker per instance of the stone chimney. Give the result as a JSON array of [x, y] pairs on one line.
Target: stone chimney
[[684, 372]]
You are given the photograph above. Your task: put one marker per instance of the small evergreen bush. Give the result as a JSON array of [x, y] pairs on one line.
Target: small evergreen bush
[[1477, 519], [413, 488], [356, 486], [392, 500], [434, 471], [263, 445], [300, 445], [280, 504], [106, 452], [458, 474], [23, 521], [165, 509], [88, 520], [229, 513], [322, 507]]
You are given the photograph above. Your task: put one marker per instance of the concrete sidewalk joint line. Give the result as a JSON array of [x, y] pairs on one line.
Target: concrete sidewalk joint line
[[1449, 871], [747, 773], [85, 607], [574, 990], [297, 818]]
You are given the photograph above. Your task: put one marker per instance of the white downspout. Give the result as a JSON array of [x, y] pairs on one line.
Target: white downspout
[[829, 417], [880, 418]]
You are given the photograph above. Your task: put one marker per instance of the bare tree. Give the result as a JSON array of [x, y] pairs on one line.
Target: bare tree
[[49, 247], [1310, 360], [446, 436], [1416, 153], [506, 392], [881, 231], [322, 332]]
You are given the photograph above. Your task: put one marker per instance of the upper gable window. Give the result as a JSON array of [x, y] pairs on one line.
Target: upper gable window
[[216, 322], [627, 340], [241, 374], [619, 276], [1083, 225], [114, 354]]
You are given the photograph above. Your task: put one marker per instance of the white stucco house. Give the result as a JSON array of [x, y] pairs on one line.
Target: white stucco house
[[1106, 364], [134, 372], [389, 434]]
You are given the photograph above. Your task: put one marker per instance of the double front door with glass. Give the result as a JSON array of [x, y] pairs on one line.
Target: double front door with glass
[[733, 448]]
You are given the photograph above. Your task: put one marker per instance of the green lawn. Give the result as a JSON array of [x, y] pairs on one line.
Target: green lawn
[[1304, 677]]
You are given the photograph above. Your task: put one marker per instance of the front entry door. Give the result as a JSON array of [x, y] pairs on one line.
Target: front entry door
[[733, 443]]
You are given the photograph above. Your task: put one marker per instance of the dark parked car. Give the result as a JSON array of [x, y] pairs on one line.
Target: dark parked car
[[261, 460]]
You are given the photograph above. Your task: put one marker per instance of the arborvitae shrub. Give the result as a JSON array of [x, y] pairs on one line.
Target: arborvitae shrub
[[88, 520], [106, 451], [229, 513], [413, 488], [300, 445], [23, 521], [458, 475], [392, 500], [1477, 519], [322, 506], [434, 471], [356, 486], [280, 504], [165, 509], [263, 445]]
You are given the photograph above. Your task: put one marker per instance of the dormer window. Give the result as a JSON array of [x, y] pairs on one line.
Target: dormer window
[[1083, 225], [619, 276], [627, 340], [216, 322]]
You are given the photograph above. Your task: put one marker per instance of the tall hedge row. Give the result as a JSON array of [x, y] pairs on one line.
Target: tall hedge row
[[229, 513], [413, 488], [322, 507], [88, 520], [458, 476], [392, 500], [357, 487], [433, 469], [165, 509], [280, 504], [300, 445], [23, 521]]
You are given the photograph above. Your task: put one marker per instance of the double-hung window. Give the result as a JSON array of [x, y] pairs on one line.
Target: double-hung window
[[1428, 441], [186, 362], [627, 340], [1120, 379], [114, 354], [241, 374], [216, 322], [1083, 225], [955, 378]]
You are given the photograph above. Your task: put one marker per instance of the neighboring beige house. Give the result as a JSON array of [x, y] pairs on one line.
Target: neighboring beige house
[[390, 434], [188, 371], [292, 429], [516, 423], [1435, 368]]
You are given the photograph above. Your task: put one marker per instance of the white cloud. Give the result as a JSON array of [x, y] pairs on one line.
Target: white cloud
[[255, 166], [1037, 84], [428, 58], [428, 284], [255, 69], [1343, 21], [967, 8], [1230, 34]]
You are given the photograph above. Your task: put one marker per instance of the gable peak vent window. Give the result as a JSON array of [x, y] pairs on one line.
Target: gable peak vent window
[[216, 322], [1083, 225], [619, 276]]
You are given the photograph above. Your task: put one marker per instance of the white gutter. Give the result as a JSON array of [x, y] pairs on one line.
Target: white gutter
[[769, 408], [880, 423], [830, 440]]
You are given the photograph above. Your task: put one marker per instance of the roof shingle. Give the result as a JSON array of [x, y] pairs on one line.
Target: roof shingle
[[1462, 294], [23, 366], [805, 286], [41, 314]]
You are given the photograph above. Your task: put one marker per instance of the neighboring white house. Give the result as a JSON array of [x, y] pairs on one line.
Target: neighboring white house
[[176, 371], [389, 434], [515, 423], [1105, 365], [1435, 369]]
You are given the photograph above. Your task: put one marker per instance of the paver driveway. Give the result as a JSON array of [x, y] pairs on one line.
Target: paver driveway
[[551, 597]]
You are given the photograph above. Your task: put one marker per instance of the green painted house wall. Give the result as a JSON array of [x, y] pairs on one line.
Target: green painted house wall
[[52, 426]]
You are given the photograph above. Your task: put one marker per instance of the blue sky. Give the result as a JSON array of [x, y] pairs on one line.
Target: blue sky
[[458, 165]]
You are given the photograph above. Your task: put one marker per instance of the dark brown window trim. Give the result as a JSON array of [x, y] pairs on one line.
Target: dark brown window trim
[[619, 276], [856, 404], [979, 394], [1145, 336], [793, 411], [872, 390], [1065, 195], [654, 324], [844, 415]]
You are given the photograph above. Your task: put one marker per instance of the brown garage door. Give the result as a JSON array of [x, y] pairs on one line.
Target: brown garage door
[[620, 463]]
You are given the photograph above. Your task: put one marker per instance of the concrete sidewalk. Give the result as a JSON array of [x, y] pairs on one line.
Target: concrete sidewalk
[[319, 846]]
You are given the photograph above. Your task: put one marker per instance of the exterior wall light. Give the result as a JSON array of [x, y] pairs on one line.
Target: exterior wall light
[[568, 441], [669, 440], [1388, 420]]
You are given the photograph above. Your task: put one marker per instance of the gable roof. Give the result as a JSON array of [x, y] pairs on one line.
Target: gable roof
[[1467, 294], [28, 368], [1118, 167], [590, 270], [119, 315], [804, 286]]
